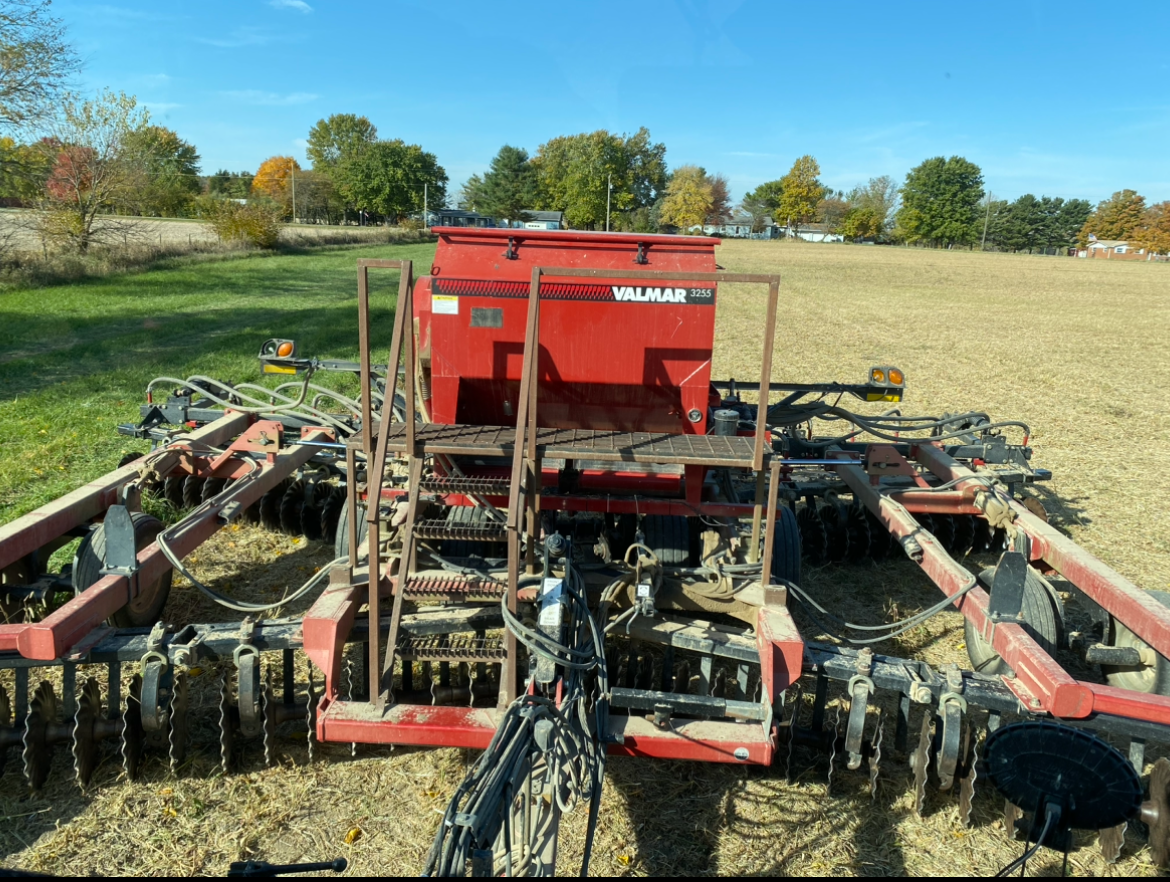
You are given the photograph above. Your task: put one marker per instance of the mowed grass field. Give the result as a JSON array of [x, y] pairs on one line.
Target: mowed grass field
[[1078, 349]]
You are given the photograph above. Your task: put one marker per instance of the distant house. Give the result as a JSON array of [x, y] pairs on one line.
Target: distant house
[[1113, 249], [740, 227], [456, 217], [810, 233], [538, 220]]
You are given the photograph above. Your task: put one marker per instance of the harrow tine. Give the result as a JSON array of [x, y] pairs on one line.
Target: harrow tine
[[177, 736], [1111, 840], [268, 714], [902, 726], [667, 668], [38, 750], [797, 701], [85, 742], [226, 734], [968, 772], [133, 735], [833, 752], [875, 756], [719, 687], [820, 700], [860, 688], [6, 728], [682, 680], [920, 762], [312, 699]]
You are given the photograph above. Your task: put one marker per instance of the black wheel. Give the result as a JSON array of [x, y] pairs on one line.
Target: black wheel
[[212, 487], [836, 520], [1153, 674], [944, 531], [128, 458], [880, 539], [813, 538], [147, 607], [331, 508], [466, 515], [786, 548], [669, 537], [341, 542], [291, 505], [270, 506], [173, 490], [1040, 621], [857, 525], [192, 491]]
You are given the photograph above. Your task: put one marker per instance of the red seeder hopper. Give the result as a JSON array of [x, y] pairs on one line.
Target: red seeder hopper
[[559, 538]]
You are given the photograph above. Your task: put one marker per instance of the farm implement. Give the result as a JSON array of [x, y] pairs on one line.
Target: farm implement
[[557, 538]]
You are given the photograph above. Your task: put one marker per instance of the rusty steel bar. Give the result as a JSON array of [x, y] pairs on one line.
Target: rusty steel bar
[[770, 531], [1039, 681], [52, 637], [405, 565], [1137, 609], [363, 280], [29, 532], [766, 371]]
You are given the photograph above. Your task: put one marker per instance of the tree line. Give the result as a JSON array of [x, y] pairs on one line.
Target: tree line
[[77, 159]]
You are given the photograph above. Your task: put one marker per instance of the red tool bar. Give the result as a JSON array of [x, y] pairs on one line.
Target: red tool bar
[[1136, 609], [1135, 705], [428, 726], [1038, 676], [26, 534], [52, 637]]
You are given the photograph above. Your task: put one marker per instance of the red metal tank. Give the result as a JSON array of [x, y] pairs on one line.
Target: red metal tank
[[614, 354]]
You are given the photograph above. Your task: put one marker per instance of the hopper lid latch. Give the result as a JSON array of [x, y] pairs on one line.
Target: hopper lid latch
[[641, 257]]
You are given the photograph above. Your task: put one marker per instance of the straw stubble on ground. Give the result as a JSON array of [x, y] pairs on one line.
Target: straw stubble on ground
[[1075, 348]]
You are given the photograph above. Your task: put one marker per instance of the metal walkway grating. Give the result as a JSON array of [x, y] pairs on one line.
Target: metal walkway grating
[[594, 444]]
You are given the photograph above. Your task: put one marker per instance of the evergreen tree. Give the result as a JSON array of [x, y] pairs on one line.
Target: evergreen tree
[[509, 188]]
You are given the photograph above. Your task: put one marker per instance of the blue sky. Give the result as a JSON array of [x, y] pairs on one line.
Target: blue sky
[[1047, 98]]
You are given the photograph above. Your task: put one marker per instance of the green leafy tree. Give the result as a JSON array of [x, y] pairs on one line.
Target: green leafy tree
[[341, 135], [164, 171], [387, 179], [36, 62], [831, 212], [1118, 217], [509, 188], [940, 203], [861, 223], [688, 198], [762, 202], [879, 195], [574, 172], [86, 147], [24, 168], [801, 192]]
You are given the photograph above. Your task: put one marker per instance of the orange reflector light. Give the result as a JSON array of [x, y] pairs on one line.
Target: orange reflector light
[[877, 375], [284, 350], [896, 377]]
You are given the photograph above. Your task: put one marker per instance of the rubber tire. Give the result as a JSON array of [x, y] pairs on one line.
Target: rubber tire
[[341, 540], [669, 537], [462, 515], [1040, 621], [786, 548], [89, 560], [1152, 680]]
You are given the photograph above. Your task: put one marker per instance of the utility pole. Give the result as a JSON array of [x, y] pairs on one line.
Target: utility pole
[[426, 226], [293, 171], [608, 194], [986, 218]]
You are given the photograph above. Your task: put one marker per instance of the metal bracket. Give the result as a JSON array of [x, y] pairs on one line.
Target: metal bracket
[[861, 687], [121, 555], [511, 254], [1007, 587], [641, 257]]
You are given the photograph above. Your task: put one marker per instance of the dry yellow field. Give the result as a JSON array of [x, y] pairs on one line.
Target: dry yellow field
[[1078, 349]]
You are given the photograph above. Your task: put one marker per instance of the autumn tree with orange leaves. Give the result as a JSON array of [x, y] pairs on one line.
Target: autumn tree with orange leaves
[[274, 179]]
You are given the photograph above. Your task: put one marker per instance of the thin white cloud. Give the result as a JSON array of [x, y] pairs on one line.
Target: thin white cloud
[[241, 37], [269, 99], [298, 5]]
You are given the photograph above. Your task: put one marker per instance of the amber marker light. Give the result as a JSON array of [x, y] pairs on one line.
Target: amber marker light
[[877, 375], [896, 377], [285, 349]]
